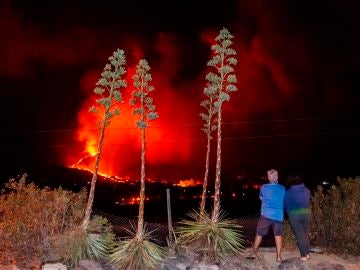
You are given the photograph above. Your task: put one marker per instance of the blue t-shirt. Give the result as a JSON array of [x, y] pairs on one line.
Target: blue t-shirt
[[272, 197]]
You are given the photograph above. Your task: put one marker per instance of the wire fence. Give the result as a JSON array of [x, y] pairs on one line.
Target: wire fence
[[123, 227]]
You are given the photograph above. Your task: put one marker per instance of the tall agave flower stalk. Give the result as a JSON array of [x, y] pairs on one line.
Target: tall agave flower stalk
[[138, 251], [108, 89], [214, 236], [208, 128], [145, 110], [220, 83]]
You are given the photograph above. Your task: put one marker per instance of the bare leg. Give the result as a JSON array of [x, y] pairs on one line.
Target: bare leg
[[257, 242], [278, 243]]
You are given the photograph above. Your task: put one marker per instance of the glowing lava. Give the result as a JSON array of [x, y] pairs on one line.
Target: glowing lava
[[189, 183]]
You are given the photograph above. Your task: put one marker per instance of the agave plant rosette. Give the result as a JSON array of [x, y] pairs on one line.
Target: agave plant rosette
[[94, 243], [215, 240], [137, 252]]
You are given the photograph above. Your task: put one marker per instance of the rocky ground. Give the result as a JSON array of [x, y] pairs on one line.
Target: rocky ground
[[265, 260]]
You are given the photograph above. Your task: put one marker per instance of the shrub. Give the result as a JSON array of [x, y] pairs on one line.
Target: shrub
[[336, 217], [44, 224], [289, 239]]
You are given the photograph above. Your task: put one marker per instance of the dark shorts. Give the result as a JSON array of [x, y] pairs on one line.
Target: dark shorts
[[265, 223]]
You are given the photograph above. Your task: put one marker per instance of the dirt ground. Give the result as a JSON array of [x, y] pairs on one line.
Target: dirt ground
[[269, 258]]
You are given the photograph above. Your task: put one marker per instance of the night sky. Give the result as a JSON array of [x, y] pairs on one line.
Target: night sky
[[296, 108]]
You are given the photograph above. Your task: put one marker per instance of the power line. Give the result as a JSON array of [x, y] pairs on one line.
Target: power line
[[293, 135], [189, 140], [168, 126], [284, 120]]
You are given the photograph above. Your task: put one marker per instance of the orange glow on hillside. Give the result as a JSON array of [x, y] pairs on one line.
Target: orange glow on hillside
[[189, 183], [130, 200]]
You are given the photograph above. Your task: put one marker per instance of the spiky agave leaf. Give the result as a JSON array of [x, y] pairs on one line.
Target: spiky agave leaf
[[137, 252], [77, 244], [82, 245], [99, 245], [213, 239], [99, 239]]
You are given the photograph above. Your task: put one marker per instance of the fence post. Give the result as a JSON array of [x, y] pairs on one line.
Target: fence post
[[169, 215]]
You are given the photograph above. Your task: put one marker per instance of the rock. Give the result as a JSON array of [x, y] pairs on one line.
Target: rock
[[292, 264], [182, 266], [9, 267], [296, 264], [208, 267], [327, 266], [89, 265], [54, 266]]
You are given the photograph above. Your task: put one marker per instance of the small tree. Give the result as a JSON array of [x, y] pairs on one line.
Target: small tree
[[108, 88], [145, 110], [208, 128], [220, 84]]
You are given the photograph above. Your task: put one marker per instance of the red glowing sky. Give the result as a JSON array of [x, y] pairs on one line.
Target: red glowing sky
[[296, 79]]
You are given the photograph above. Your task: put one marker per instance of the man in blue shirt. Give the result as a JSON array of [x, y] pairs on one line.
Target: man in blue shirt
[[272, 214]]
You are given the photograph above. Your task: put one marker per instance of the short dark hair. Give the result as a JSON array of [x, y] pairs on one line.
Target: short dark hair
[[294, 180]]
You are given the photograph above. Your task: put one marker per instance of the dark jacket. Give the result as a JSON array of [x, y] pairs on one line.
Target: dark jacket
[[297, 196]]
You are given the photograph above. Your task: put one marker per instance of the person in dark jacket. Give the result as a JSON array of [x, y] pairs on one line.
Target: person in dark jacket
[[297, 207]]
